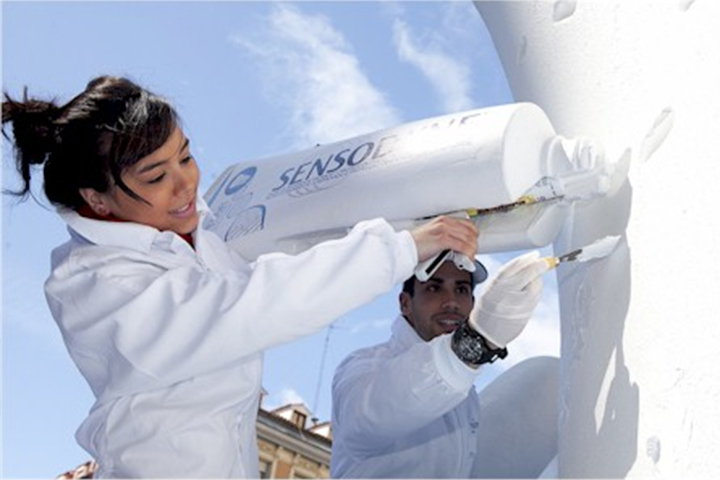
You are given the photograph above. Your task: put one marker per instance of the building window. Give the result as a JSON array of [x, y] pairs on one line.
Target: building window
[[300, 419], [265, 469]]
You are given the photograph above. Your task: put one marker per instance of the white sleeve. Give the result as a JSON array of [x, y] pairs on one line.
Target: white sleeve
[[133, 325], [378, 399]]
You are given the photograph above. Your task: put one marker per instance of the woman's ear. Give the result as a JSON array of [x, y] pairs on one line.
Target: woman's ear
[[96, 201]]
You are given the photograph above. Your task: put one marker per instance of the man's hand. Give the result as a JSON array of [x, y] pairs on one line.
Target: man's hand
[[445, 233], [509, 299]]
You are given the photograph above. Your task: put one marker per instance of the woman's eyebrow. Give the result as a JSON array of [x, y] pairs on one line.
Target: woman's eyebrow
[[153, 165], [184, 145]]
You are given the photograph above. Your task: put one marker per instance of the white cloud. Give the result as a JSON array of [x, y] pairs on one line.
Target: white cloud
[[285, 396], [492, 262], [450, 77], [309, 69]]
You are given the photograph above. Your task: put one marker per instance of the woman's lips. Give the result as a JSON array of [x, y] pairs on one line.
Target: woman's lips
[[186, 211]]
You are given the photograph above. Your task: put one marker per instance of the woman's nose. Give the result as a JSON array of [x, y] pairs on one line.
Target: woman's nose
[[185, 181]]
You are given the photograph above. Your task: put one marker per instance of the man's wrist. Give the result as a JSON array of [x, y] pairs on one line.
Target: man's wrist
[[472, 348]]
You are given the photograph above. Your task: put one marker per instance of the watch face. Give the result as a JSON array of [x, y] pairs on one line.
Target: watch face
[[467, 347]]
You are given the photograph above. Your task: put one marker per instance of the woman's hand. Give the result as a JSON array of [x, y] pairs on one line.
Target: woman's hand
[[445, 233]]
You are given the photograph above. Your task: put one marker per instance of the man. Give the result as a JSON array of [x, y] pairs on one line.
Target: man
[[407, 408]]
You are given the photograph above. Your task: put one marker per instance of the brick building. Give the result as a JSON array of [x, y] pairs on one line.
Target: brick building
[[290, 446]]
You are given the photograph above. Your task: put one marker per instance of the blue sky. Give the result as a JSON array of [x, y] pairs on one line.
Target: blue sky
[[250, 80]]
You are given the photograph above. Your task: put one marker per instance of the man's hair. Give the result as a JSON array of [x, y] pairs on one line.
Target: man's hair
[[409, 286]]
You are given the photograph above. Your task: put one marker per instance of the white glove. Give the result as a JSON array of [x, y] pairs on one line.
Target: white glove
[[509, 299]]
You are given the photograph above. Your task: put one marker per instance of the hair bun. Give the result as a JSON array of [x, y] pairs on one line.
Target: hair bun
[[34, 126]]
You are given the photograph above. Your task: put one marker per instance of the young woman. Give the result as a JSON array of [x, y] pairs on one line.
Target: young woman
[[164, 321]]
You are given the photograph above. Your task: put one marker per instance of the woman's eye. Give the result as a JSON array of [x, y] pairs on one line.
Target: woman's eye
[[157, 179], [187, 159]]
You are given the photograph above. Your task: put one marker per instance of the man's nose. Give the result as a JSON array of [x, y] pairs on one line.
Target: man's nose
[[450, 300]]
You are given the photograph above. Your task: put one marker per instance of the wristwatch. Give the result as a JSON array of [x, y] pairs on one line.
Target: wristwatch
[[472, 348]]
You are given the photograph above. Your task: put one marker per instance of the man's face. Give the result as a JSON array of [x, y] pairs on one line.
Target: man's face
[[441, 304]]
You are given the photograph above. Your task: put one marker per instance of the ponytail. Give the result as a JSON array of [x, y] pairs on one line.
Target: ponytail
[[34, 131]]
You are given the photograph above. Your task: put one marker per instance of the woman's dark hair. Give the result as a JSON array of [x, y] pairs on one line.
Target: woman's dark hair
[[89, 141]]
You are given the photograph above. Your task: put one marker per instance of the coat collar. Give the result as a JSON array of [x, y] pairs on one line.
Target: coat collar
[[403, 334], [123, 234]]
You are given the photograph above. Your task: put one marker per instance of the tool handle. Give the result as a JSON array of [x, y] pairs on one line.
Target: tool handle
[[552, 262]]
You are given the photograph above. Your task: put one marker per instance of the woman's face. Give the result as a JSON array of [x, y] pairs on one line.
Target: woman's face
[[167, 180]]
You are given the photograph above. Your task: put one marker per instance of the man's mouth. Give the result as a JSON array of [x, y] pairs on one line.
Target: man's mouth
[[449, 324]]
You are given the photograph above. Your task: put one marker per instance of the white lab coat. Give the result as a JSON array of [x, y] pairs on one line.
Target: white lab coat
[[170, 339], [405, 409]]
